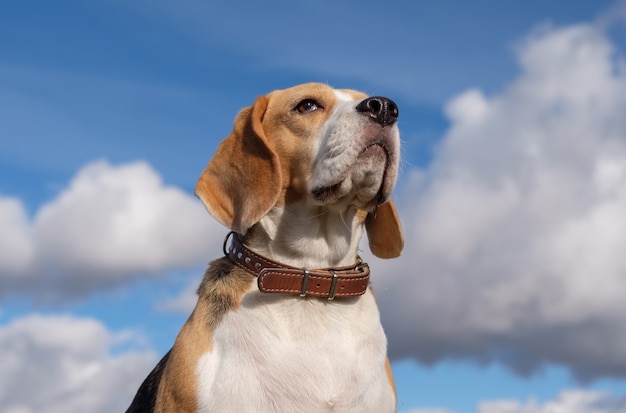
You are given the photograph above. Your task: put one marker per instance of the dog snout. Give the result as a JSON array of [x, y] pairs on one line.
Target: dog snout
[[382, 110]]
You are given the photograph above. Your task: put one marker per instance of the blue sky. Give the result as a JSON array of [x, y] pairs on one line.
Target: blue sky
[[509, 297]]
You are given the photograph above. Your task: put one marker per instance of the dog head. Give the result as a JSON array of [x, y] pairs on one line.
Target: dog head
[[335, 149]]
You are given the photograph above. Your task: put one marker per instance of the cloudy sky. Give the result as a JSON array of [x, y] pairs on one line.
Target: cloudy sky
[[511, 293]]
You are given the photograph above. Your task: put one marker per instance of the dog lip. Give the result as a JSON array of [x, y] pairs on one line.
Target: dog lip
[[326, 192], [381, 143], [380, 196]]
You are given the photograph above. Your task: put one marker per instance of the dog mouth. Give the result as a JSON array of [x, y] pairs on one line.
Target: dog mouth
[[326, 193], [373, 147], [373, 152]]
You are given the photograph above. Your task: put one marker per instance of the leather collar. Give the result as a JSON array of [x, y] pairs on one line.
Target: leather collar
[[274, 277]]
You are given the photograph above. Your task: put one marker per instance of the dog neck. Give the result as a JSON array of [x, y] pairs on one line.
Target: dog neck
[[308, 236]]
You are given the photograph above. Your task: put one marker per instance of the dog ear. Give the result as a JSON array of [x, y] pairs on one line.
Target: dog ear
[[384, 232], [242, 181]]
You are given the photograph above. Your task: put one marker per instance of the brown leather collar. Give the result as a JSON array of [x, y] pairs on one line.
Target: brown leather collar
[[274, 277]]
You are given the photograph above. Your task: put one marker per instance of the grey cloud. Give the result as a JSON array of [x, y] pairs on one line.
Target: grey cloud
[[570, 401], [58, 364], [111, 225], [516, 232]]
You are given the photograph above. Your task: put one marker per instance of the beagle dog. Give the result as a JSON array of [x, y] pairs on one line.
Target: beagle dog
[[286, 320]]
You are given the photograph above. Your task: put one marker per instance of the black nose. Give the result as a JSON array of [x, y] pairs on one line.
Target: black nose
[[384, 111]]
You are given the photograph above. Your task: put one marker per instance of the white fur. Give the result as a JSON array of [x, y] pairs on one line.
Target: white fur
[[309, 237], [289, 354], [314, 234], [344, 136], [343, 96]]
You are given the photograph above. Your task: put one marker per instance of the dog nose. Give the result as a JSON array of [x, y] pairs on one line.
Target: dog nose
[[384, 111]]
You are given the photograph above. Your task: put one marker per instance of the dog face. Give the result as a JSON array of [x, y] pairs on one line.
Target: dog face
[[332, 150], [335, 149]]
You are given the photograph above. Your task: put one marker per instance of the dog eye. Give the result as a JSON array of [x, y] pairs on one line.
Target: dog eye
[[307, 106]]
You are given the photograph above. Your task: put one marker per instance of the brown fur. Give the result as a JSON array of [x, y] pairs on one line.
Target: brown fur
[[220, 291], [264, 162], [230, 184], [171, 387], [384, 232]]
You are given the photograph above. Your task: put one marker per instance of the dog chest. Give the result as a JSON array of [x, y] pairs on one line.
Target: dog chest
[[297, 355]]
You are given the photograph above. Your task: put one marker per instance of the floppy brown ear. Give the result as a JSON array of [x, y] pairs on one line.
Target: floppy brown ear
[[242, 181], [384, 231]]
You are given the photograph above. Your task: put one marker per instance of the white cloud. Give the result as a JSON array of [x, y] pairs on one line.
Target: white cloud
[[16, 244], [112, 224], [568, 401], [64, 364], [516, 233], [572, 401]]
